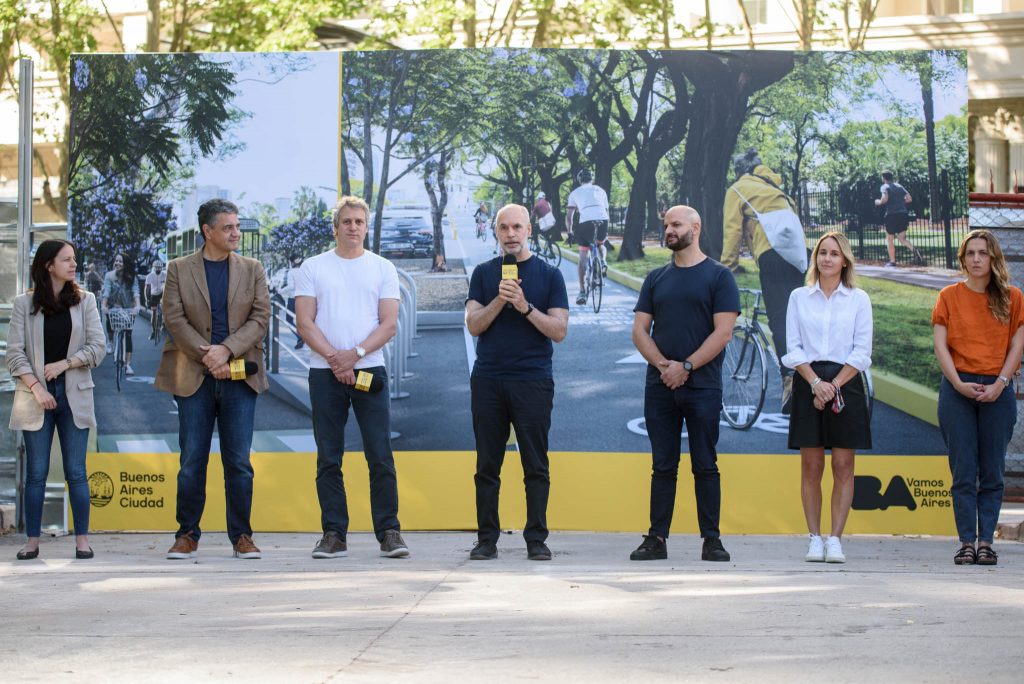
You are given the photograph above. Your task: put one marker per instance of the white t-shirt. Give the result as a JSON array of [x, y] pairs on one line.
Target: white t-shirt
[[591, 201], [155, 282], [348, 294], [287, 289]]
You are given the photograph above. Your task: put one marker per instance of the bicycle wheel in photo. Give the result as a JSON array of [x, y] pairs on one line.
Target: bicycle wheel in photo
[[744, 380], [596, 285], [158, 328], [553, 254], [119, 359]]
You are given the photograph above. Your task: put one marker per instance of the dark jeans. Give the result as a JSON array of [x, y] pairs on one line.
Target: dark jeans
[[526, 404], [232, 404], [73, 443], [664, 413], [778, 280], [330, 401], [976, 437]]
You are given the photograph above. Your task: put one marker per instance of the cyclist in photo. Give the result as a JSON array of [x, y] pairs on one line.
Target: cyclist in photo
[[121, 291], [543, 217], [482, 217], [154, 292], [592, 203], [895, 199], [781, 255], [829, 327]]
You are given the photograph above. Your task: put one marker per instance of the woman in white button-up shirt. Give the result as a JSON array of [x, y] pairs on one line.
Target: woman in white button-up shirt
[[828, 333]]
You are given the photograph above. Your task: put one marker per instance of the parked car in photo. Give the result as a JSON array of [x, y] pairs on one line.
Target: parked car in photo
[[406, 234]]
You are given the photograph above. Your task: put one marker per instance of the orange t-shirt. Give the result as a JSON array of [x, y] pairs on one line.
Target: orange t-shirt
[[977, 341]]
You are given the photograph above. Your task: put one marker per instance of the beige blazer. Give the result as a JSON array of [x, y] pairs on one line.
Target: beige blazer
[[187, 315], [25, 355]]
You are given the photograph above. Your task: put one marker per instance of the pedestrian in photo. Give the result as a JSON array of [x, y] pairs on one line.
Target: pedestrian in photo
[[683, 320], [979, 339], [121, 291], [517, 307], [346, 304], [54, 340], [216, 308], [896, 199], [288, 292], [828, 334], [93, 281]]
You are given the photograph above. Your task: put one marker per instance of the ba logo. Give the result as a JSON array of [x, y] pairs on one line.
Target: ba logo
[[101, 489], [868, 496]]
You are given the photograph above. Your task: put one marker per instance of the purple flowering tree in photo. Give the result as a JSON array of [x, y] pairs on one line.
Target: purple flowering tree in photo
[[307, 237]]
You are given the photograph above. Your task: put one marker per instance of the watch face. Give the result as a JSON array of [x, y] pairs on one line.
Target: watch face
[[687, 366]]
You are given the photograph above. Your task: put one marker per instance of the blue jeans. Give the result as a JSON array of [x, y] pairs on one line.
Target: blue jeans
[[232, 404], [73, 443], [664, 413], [976, 436], [330, 401]]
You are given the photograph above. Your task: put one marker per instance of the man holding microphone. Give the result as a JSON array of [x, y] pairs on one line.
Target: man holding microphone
[[517, 306], [216, 309]]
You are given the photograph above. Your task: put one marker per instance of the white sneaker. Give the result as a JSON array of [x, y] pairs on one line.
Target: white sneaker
[[128, 370], [815, 549], [834, 551], [110, 348]]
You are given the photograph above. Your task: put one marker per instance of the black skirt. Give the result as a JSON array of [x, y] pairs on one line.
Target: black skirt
[[809, 427]]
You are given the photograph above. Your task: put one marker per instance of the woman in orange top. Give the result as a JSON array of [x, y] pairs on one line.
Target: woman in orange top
[[979, 339]]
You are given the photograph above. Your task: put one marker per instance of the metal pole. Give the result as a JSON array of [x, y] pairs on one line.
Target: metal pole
[[275, 332], [412, 288], [26, 82]]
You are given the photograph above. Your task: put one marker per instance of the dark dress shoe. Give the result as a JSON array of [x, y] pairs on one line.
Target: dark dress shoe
[[84, 555], [28, 555]]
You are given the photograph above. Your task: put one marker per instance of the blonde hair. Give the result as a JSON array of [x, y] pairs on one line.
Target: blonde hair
[[998, 289], [349, 201], [847, 276]]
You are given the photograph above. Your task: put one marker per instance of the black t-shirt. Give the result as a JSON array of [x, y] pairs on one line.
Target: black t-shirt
[[512, 348], [897, 202], [217, 286], [56, 336], [684, 302]]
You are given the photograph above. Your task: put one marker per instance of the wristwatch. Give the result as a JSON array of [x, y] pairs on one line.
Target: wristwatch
[[529, 310], [687, 366], [1006, 380], [360, 352], [68, 361]]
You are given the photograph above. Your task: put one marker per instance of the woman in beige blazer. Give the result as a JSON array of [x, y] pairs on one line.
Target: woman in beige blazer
[[55, 338]]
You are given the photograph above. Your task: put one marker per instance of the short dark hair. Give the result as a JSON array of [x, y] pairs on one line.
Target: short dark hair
[[210, 208], [887, 176]]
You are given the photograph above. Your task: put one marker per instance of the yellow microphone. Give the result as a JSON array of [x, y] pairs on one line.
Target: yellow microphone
[[240, 369], [509, 271]]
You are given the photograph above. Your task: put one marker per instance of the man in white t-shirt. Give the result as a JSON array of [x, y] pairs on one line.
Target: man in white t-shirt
[[592, 203], [346, 305]]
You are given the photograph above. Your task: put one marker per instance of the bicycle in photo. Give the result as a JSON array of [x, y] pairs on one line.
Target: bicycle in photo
[[157, 322], [593, 279], [481, 229], [745, 368], [543, 246], [121, 323]]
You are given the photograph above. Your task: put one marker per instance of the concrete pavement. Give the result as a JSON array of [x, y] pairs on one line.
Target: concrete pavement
[[898, 610]]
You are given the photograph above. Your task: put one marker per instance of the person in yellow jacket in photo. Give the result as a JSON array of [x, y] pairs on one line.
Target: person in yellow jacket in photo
[[760, 213]]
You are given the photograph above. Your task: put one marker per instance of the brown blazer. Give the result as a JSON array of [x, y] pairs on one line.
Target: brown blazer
[[186, 305], [25, 355]]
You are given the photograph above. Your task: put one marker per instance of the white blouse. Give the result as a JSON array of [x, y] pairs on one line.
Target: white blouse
[[836, 328]]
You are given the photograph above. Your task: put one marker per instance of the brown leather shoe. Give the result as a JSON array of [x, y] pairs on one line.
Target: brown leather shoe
[[184, 547], [244, 548]]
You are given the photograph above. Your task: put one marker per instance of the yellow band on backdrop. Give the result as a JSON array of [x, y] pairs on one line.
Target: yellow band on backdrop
[[589, 491]]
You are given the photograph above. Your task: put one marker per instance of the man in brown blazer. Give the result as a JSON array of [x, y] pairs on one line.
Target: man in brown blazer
[[216, 309]]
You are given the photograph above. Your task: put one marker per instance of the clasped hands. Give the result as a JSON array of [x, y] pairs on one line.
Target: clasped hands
[[216, 360], [985, 394], [673, 374], [343, 363], [823, 392]]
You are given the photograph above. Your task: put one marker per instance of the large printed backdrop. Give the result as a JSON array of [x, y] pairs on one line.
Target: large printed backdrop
[[426, 137]]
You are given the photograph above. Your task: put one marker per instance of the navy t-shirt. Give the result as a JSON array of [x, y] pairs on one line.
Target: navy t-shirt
[[512, 348], [684, 302], [217, 286]]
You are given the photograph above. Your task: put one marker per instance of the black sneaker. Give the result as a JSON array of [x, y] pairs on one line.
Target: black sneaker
[[651, 548], [331, 545], [538, 551], [713, 550], [484, 550]]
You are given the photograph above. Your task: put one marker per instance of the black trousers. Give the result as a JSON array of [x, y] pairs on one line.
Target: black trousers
[[526, 405], [778, 280]]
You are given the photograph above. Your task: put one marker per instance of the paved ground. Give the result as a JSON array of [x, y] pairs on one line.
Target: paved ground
[[898, 610]]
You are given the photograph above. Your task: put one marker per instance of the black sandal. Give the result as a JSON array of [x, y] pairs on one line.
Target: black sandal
[[987, 556], [966, 555]]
